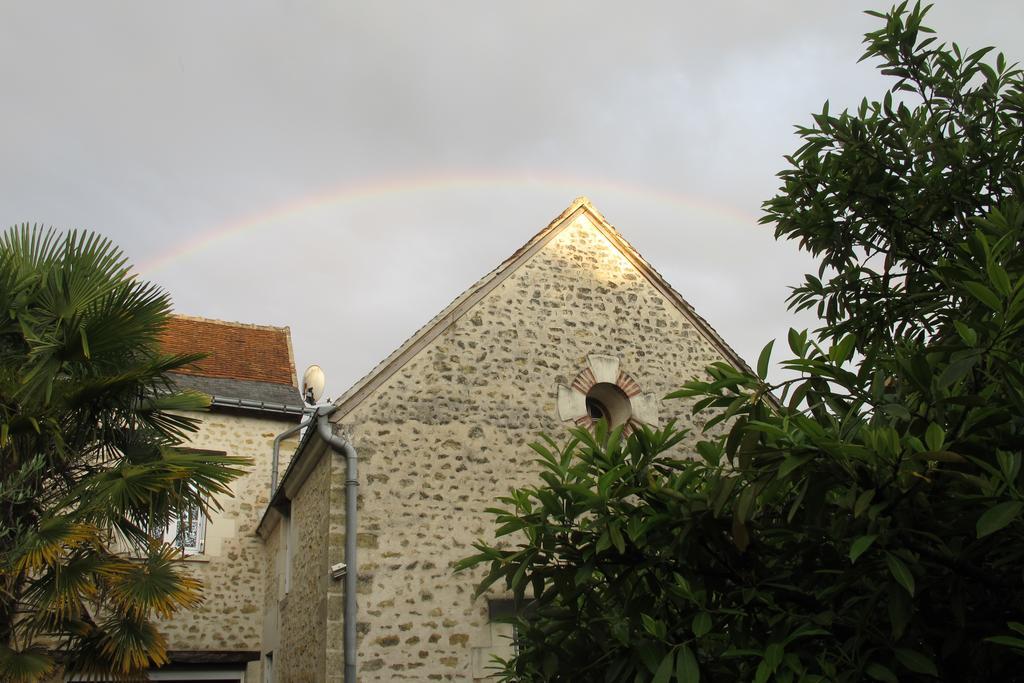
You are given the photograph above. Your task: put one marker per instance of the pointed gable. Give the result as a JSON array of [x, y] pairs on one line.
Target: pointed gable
[[580, 215], [573, 327]]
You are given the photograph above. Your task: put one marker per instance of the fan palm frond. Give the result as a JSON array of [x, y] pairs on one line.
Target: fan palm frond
[[28, 665], [155, 584], [90, 418], [48, 543], [131, 643], [61, 591]]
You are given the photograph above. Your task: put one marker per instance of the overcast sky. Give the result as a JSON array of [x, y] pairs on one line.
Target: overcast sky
[[347, 169]]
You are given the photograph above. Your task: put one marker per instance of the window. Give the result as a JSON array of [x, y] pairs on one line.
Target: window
[[268, 668], [502, 613], [498, 641], [596, 410], [188, 532], [602, 390], [606, 401]]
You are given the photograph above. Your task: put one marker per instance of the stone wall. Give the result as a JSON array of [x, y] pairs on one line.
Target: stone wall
[[303, 610], [446, 435], [273, 591], [232, 566]]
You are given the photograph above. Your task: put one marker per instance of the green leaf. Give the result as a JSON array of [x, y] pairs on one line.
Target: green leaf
[[746, 501], [650, 625], [897, 411], [940, 456], [955, 371], [863, 500], [616, 536], [998, 278], [650, 654], [841, 352], [701, 624], [763, 360], [998, 516], [792, 462], [798, 501], [664, 672], [859, 546], [763, 672], [881, 673], [584, 573], [916, 662], [773, 656], [934, 437], [1010, 464], [85, 342], [710, 451], [654, 627], [724, 487], [797, 342], [969, 336], [805, 631], [900, 572], [899, 608], [984, 295], [687, 669], [1009, 641]]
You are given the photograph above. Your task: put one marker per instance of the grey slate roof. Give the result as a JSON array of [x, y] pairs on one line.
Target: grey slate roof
[[266, 397]]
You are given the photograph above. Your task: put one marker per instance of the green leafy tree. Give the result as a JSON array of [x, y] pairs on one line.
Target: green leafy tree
[[863, 520], [89, 473]]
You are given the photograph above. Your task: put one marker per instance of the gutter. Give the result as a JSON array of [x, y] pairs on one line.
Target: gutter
[[256, 406]]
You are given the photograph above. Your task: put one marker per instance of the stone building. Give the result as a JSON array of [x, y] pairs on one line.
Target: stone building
[[573, 326], [250, 378]]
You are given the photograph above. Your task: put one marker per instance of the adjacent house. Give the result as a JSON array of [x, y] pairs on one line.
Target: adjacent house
[[573, 327], [249, 375]]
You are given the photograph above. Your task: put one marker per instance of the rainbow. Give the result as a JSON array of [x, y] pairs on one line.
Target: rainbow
[[395, 188]]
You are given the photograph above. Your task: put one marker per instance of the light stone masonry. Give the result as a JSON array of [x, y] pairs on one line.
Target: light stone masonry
[[446, 434], [232, 564]]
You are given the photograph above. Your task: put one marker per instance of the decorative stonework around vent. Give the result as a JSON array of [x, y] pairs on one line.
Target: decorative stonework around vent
[[603, 389]]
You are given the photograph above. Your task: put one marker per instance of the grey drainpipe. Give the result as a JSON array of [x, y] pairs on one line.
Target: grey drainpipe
[[343, 447], [277, 452]]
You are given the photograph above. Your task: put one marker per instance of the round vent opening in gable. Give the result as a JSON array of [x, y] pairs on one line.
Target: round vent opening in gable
[[603, 391], [606, 401]]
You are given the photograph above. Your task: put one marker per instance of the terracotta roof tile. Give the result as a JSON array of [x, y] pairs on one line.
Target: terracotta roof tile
[[236, 350]]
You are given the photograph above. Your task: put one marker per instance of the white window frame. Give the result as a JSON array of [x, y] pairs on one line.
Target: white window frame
[[171, 533]]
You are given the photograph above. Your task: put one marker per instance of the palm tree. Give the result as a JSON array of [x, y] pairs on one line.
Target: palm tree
[[90, 422]]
